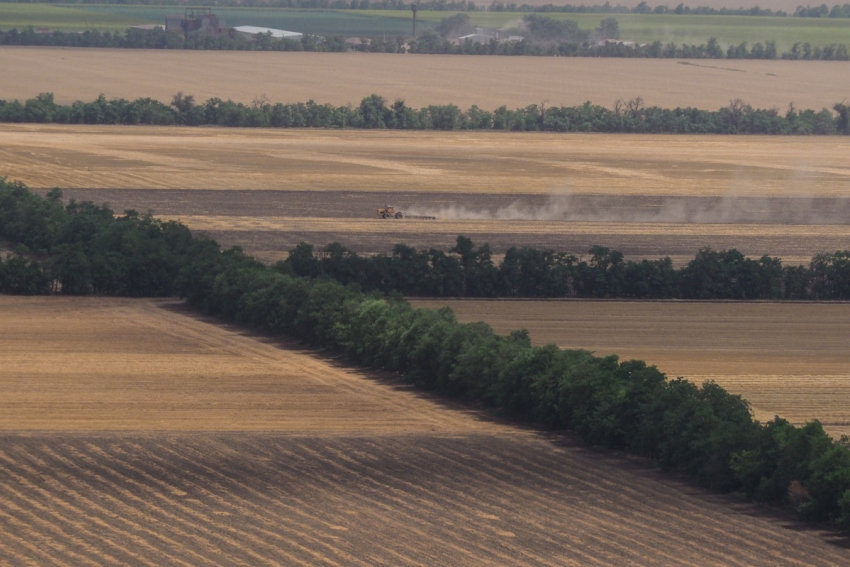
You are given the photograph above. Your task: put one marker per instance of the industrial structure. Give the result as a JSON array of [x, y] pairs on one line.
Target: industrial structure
[[196, 20]]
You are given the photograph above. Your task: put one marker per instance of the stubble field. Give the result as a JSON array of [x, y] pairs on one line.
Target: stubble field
[[133, 434], [267, 190], [421, 80], [787, 359]]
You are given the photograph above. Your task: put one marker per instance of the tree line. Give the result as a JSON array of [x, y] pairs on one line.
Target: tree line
[[83, 248], [700, 430], [158, 38], [432, 43], [374, 112], [573, 44], [822, 11], [469, 271]]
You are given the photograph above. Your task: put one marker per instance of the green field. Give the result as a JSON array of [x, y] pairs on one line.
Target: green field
[[644, 28], [367, 23], [64, 18], [360, 23]]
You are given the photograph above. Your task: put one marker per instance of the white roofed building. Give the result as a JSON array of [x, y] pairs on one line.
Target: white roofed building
[[251, 31]]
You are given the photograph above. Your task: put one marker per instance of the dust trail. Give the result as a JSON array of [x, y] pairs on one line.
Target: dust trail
[[729, 209]]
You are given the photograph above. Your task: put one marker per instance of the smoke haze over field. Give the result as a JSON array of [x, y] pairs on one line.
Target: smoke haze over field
[[698, 210]]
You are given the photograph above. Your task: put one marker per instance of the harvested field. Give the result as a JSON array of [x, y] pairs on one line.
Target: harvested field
[[421, 80], [122, 364], [341, 469], [268, 190], [119, 157], [789, 359]]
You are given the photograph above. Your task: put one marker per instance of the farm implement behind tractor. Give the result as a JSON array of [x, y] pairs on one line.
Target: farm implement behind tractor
[[389, 212]]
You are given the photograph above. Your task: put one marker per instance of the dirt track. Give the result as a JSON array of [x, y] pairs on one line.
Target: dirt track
[[346, 470]]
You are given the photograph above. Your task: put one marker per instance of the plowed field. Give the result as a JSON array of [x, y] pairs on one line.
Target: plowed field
[[267, 190], [333, 466], [790, 359]]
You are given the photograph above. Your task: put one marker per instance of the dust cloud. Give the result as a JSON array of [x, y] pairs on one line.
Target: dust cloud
[[730, 209]]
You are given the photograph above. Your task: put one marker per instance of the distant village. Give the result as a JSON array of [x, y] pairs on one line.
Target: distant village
[[457, 29], [203, 21]]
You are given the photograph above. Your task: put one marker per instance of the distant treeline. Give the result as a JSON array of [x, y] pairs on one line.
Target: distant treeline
[[431, 43], [467, 271], [702, 431], [428, 43], [375, 113], [822, 11]]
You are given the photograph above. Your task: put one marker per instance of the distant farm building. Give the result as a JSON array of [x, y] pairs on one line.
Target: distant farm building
[[252, 31], [480, 36], [606, 42], [486, 36], [196, 20]]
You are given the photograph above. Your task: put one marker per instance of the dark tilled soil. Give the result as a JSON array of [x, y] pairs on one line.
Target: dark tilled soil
[[650, 210], [343, 204]]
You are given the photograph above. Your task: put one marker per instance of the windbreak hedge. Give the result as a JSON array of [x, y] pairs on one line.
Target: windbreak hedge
[[467, 271], [566, 41], [702, 431], [375, 112]]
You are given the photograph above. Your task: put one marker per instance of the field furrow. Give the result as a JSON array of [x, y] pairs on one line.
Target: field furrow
[[405, 480], [479, 499]]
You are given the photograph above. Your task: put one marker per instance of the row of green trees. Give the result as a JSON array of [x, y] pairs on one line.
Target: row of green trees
[[467, 5], [569, 44], [821, 11], [375, 113], [157, 38], [83, 248], [702, 431], [431, 42], [467, 271]]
